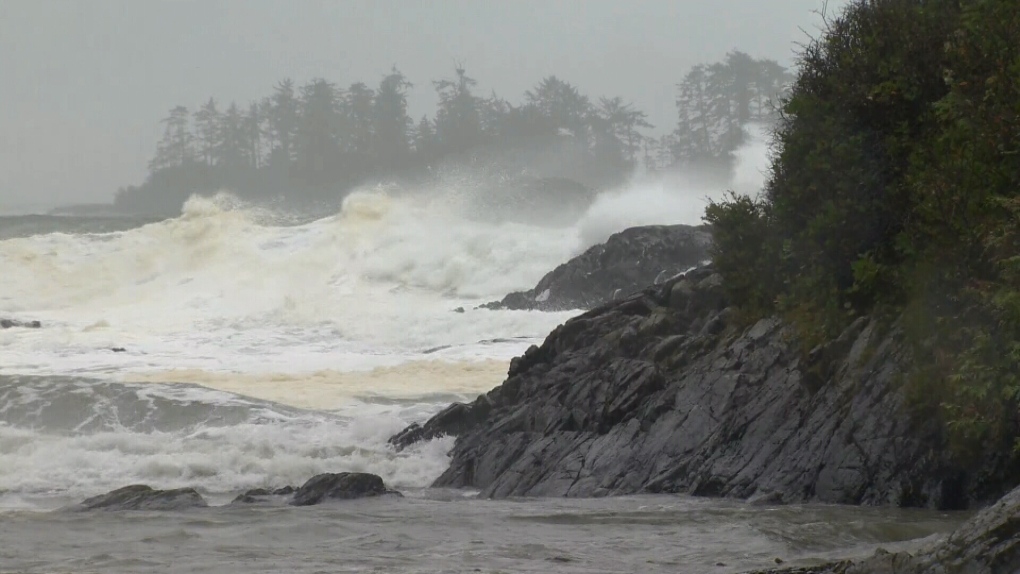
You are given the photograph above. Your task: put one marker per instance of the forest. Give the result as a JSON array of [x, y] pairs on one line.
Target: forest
[[895, 193], [309, 144]]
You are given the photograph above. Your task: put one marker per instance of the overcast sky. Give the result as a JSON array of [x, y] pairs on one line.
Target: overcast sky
[[84, 83]]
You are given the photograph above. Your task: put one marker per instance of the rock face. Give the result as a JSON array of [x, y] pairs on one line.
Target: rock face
[[344, 485], [661, 392], [989, 543], [9, 323], [627, 262], [142, 497]]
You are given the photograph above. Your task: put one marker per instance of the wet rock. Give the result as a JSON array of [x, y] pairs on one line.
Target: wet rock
[[142, 497], [664, 391], [626, 263], [261, 495], [11, 323], [342, 486], [988, 543], [452, 420]]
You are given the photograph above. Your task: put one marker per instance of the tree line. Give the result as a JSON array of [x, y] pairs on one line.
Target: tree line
[[311, 141]]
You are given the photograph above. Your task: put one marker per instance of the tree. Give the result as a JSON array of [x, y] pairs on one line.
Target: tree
[[317, 141], [207, 122], [425, 147], [564, 107], [390, 122], [175, 148], [231, 150], [357, 135], [458, 120], [252, 126], [622, 122], [283, 118]]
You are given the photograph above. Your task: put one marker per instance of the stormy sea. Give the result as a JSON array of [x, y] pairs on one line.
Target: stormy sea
[[236, 347]]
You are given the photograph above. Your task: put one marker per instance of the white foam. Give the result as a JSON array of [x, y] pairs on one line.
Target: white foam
[[351, 315]]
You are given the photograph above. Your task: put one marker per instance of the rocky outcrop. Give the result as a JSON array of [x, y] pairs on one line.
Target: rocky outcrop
[[627, 262], [142, 497], [989, 543], [342, 486], [318, 489], [663, 391], [9, 323]]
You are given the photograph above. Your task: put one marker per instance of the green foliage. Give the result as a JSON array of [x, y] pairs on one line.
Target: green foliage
[[740, 231], [896, 187]]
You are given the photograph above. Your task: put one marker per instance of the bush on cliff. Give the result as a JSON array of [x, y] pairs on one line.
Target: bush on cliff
[[896, 191]]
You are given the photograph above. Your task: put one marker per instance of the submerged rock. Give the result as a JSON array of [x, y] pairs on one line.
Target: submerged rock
[[665, 391], [627, 262], [344, 485], [9, 323], [142, 497], [257, 495]]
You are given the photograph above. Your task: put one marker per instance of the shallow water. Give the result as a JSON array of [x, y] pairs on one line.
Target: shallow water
[[442, 531]]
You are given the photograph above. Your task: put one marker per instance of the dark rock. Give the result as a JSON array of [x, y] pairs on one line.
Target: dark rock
[[142, 497], [627, 262], [988, 543], [661, 391], [452, 420], [118, 349], [259, 495], [344, 485], [9, 323]]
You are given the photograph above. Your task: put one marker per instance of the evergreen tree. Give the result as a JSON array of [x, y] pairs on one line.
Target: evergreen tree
[[282, 116], [358, 134], [317, 139], [390, 123], [207, 122], [252, 125], [175, 148], [564, 107], [231, 149], [458, 120], [425, 142]]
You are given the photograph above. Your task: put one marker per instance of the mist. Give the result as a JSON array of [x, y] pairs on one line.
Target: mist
[[87, 83]]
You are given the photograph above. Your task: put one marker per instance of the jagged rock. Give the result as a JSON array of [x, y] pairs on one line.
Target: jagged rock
[[627, 262], [142, 497], [344, 485], [988, 543], [9, 323], [664, 391], [450, 421]]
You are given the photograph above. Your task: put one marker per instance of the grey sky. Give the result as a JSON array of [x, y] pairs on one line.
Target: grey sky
[[83, 83]]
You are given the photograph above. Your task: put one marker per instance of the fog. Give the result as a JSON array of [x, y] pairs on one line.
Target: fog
[[85, 83]]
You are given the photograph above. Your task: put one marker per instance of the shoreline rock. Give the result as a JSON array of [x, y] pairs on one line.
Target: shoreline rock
[[663, 391], [988, 543], [11, 323], [627, 262], [316, 490], [340, 486], [143, 497]]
